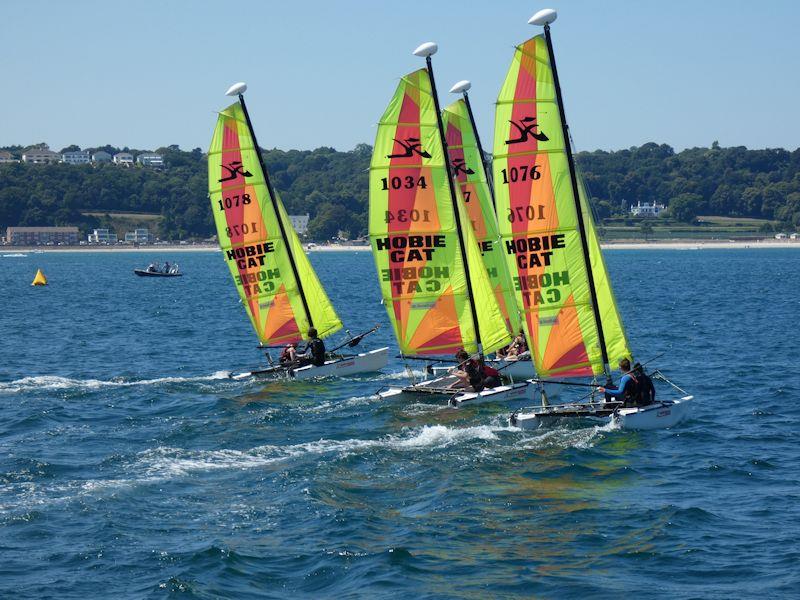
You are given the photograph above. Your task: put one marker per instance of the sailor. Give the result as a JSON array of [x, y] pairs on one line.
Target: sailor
[[474, 373], [289, 355], [314, 352], [517, 347], [647, 391], [628, 389]]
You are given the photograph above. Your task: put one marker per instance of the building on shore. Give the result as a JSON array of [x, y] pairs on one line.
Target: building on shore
[[38, 236], [139, 236], [40, 156], [123, 158], [7, 157], [646, 210], [300, 223], [150, 160], [102, 236], [101, 156], [77, 157]]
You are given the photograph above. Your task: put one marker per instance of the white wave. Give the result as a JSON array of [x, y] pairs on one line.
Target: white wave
[[562, 437], [400, 375], [167, 462], [55, 382]]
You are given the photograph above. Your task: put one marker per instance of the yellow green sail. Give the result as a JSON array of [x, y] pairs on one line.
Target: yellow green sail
[[467, 167], [259, 256], [539, 226], [414, 239]]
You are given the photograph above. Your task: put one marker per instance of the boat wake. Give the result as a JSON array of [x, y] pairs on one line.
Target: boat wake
[[55, 382]]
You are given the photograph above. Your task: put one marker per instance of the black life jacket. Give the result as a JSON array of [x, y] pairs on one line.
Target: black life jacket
[[317, 347]]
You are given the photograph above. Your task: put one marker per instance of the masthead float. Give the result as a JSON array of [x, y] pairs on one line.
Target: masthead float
[[446, 301], [274, 278], [552, 248]]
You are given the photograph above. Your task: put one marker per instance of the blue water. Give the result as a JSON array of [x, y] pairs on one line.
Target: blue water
[[130, 466]]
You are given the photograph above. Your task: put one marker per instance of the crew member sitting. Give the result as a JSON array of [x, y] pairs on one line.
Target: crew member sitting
[[628, 389], [314, 352], [289, 355], [473, 373]]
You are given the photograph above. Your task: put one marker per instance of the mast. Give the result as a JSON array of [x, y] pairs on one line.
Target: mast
[[427, 50], [545, 17], [239, 91]]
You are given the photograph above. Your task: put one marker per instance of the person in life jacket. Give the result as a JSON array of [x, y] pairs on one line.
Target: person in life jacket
[[314, 352], [647, 391], [628, 389], [474, 373], [289, 355]]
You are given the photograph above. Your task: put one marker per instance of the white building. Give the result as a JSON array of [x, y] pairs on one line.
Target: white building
[[102, 236], [123, 158], [78, 157], [646, 210], [139, 236], [101, 156], [780, 236], [300, 223], [41, 156], [150, 160]]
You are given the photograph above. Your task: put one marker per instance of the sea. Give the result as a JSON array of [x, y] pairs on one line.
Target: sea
[[132, 466]]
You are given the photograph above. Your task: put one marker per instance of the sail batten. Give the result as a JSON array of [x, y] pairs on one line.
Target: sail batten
[[276, 284], [542, 231], [415, 238]]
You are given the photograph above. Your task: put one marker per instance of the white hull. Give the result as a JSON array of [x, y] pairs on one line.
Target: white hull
[[660, 415], [437, 389], [366, 362]]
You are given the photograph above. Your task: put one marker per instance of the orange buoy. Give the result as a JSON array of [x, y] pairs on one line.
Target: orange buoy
[[40, 279]]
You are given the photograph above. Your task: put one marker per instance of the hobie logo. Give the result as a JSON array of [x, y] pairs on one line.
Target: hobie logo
[[234, 170], [460, 166], [525, 127], [410, 146]]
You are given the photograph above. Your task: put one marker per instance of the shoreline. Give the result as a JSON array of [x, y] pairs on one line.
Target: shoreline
[[656, 245]]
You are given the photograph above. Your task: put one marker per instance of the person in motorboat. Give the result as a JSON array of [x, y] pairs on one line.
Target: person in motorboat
[[152, 267], [289, 355], [314, 352], [166, 267], [628, 391], [473, 373]]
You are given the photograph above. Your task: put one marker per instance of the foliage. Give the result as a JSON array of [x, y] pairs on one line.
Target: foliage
[[332, 187]]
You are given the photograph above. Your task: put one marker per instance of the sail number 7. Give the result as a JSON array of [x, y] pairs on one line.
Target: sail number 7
[[523, 173]]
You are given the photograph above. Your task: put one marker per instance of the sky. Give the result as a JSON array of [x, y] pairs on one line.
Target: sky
[[146, 74]]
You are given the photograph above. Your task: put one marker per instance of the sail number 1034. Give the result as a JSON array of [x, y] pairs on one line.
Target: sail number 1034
[[408, 182]]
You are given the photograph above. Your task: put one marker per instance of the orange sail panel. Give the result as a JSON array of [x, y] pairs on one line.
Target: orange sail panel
[[258, 255], [539, 225], [414, 237]]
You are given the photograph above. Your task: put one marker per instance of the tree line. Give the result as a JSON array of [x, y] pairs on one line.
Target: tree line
[[332, 186]]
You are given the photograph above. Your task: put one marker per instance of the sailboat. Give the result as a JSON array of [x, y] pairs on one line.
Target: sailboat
[[434, 283], [467, 159], [553, 252], [276, 283]]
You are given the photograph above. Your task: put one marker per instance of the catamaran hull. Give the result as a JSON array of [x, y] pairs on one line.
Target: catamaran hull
[[516, 369], [365, 362], [455, 397], [660, 415]]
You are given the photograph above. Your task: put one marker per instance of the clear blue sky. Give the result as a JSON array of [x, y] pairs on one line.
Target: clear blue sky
[[149, 73]]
